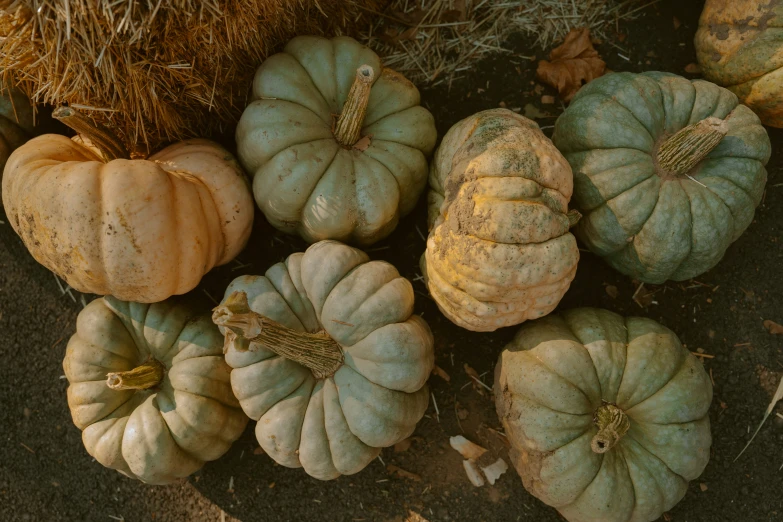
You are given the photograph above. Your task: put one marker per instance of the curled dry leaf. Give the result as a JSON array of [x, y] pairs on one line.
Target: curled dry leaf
[[612, 291], [693, 68], [572, 64], [773, 327], [440, 372], [395, 470]]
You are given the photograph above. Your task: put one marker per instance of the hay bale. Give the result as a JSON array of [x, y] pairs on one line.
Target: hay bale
[[436, 41], [155, 70]]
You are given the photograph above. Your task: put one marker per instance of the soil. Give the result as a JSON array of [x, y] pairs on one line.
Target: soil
[[46, 475]]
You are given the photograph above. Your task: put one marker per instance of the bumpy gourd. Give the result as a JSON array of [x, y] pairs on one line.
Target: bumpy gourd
[[607, 416], [337, 144], [499, 251], [739, 45], [141, 230], [667, 172], [16, 122], [327, 357], [149, 389]]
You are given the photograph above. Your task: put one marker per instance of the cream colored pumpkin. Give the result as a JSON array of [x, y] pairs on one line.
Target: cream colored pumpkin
[[141, 230], [328, 358], [337, 144], [499, 251], [149, 389]]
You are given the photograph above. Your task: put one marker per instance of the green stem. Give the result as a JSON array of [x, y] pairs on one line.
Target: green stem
[[349, 125], [682, 151], [612, 424], [317, 351], [100, 137], [143, 377]]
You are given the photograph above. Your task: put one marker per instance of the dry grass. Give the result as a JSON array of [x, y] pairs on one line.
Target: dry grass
[[434, 41], [155, 70]]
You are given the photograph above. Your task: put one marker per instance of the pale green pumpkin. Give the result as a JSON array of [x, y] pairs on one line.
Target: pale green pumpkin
[[149, 389], [337, 145], [607, 416], [667, 171], [16, 122], [327, 357]]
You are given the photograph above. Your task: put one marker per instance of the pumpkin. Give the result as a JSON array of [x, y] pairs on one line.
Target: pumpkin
[[667, 171], [499, 251], [16, 122], [149, 388], [739, 46], [337, 144], [327, 357], [607, 416], [141, 230]]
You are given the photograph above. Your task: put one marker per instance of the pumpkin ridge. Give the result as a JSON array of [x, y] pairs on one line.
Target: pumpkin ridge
[[707, 190], [656, 457], [127, 321], [576, 386]]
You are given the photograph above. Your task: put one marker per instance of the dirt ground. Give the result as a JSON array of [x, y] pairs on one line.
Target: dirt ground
[[46, 475]]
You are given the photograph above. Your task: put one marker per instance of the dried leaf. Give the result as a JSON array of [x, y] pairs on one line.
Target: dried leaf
[[703, 486], [572, 64], [363, 143], [773, 327], [440, 372], [259, 451], [467, 449], [547, 99], [612, 291], [391, 468], [693, 68], [495, 470]]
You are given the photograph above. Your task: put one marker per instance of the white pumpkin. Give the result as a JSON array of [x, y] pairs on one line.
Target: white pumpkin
[[149, 389], [327, 357]]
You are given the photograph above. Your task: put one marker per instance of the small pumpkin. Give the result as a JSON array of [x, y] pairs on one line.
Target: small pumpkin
[[149, 388], [667, 171], [739, 45], [16, 122], [328, 357], [141, 230], [499, 251], [336, 143], [607, 416]]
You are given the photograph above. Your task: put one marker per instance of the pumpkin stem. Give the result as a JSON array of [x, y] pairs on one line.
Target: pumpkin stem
[[573, 216], [612, 424], [143, 377], [96, 135], [349, 124], [317, 351], [682, 151]]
